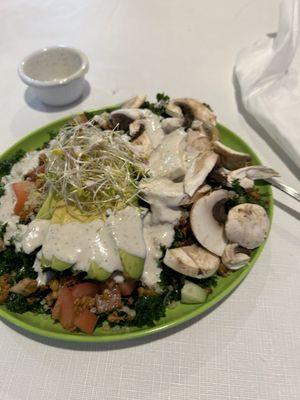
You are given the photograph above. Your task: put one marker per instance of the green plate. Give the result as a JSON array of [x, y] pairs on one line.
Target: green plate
[[43, 325]]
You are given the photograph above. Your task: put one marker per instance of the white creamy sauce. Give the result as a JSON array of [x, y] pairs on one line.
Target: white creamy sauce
[[127, 229], [35, 234], [153, 128], [42, 276], [168, 159], [79, 243], [15, 230], [155, 236]]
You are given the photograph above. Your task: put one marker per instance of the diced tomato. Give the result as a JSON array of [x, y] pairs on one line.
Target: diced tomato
[[86, 289], [66, 308], [57, 307], [127, 287], [86, 321], [22, 190]]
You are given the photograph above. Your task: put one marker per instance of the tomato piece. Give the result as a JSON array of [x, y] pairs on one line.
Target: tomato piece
[[22, 190], [56, 309], [127, 287], [66, 308], [86, 289], [86, 321]]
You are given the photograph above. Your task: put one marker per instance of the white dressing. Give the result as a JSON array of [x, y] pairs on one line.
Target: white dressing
[[168, 159], [35, 234], [155, 236]]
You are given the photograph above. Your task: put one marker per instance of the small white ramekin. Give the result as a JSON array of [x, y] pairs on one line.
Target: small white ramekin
[[55, 74]]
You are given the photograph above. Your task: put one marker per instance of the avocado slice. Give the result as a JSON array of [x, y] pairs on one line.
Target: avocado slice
[[59, 265], [133, 266], [45, 263], [98, 273], [193, 294]]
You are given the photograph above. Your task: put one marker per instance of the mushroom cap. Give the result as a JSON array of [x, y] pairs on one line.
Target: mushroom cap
[[191, 109], [193, 261], [247, 225], [200, 192], [198, 171], [248, 175], [208, 232], [234, 257], [125, 116], [171, 124], [134, 102], [231, 159]]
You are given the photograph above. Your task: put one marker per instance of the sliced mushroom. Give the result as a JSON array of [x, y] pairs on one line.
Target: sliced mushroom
[[122, 118], [248, 175], [142, 146], [247, 224], [197, 143], [208, 232], [171, 124], [137, 127], [191, 109], [171, 193], [167, 160], [235, 257], [200, 192], [198, 171], [134, 102], [193, 261], [231, 159], [102, 120]]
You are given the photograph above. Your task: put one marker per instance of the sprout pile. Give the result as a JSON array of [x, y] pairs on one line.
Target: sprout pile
[[93, 170]]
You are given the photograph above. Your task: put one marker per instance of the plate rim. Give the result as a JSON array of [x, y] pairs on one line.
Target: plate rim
[[147, 331]]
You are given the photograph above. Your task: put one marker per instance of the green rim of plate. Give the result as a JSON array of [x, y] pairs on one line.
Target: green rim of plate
[[44, 326]]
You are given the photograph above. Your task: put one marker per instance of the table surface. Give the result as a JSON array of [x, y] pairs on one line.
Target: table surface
[[249, 346]]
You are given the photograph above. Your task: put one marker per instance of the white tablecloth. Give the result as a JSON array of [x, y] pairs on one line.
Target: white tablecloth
[[249, 346]]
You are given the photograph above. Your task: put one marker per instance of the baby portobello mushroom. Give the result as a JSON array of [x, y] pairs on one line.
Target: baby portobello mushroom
[[122, 118], [231, 159], [198, 171], [248, 175], [235, 256], [135, 102], [193, 261], [191, 109], [209, 232], [200, 192], [247, 225]]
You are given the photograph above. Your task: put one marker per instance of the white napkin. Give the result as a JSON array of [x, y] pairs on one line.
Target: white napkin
[[270, 81]]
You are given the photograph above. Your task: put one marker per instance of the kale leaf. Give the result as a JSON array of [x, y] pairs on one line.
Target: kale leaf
[[2, 230], [17, 264], [148, 310], [159, 107], [19, 304], [2, 189], [244, 196], [7, 164]]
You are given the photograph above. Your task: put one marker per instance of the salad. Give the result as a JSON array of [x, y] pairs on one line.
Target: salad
[[125, 213]]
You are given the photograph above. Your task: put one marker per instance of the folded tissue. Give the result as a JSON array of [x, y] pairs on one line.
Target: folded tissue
[[268, 73]]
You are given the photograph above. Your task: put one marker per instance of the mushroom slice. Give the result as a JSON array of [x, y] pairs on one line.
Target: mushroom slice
[[191, 109], [198, 171], [171, 124], [235, 256], [193, 261], [208, 232], [171, 193], [134, 102], [247, 225], [102, 120], [200, 192], [167, 159], [248, 175], [142, 145], [231, 159], [197, 142], [125, 116]]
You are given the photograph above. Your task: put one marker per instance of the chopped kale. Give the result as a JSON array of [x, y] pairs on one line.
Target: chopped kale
[[148, 310], [7, 164], [2, 230], [19, 304], [17, 264], [244, 196], [89, 114], [171, 282], [2, 190], [159, 107]]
